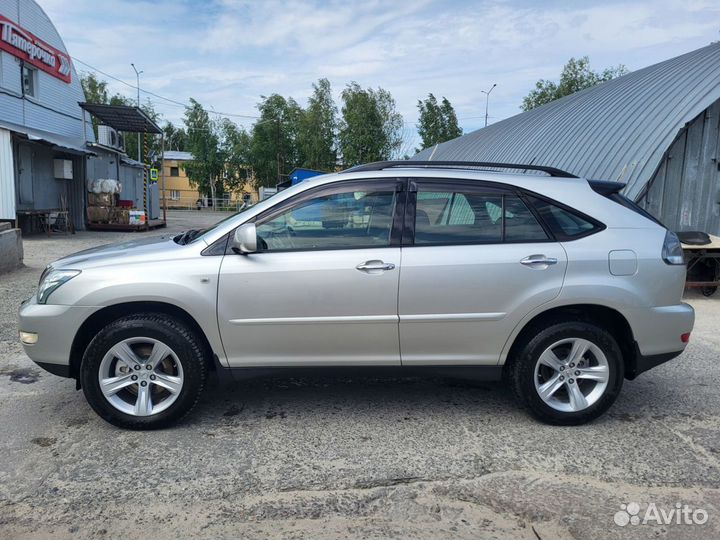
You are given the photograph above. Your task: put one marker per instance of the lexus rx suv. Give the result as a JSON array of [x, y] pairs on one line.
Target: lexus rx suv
[[560, 285]]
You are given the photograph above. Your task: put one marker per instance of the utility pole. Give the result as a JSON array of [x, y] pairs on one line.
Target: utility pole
[[487, 100], [277, 147], [137, 75]]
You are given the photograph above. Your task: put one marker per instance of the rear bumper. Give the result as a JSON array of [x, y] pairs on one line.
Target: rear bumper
[[657, 333], [658, 330], [640, 364]]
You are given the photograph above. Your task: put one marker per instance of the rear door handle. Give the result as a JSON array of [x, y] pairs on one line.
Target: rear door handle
[[374, 267], [537, 261]]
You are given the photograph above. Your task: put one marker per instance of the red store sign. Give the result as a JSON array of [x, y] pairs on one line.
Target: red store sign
[[33, 50]]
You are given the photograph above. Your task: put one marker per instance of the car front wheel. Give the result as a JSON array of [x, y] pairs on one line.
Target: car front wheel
[[143, 371], [568, 373]]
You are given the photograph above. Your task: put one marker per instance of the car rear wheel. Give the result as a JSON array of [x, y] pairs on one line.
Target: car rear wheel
[[568, 373], [143, 371]]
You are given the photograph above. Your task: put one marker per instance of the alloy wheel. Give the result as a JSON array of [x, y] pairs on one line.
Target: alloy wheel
[[140, 376], [571, 374]]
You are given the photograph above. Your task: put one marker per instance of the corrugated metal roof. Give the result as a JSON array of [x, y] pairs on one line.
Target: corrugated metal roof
[[61, 142], [618, 130], [177, 155], [122, 117]]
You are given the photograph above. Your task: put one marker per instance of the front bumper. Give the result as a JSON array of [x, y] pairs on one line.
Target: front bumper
[[56, 327]]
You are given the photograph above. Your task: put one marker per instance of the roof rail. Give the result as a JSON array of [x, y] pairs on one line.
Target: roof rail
[[382, 165]]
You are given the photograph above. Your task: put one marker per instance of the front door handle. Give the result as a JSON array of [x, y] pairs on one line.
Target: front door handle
[[538, 261], [375, 267]]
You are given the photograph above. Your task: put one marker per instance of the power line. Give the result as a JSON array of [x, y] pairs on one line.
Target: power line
[[169, 100]]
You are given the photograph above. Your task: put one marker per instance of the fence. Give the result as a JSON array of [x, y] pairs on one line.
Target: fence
[[190, 200]]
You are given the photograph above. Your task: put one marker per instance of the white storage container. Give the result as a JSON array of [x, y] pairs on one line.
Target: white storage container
[[137, 217]]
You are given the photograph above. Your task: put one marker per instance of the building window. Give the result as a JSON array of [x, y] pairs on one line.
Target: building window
[[175, 194], [29, 81], [174, 171]]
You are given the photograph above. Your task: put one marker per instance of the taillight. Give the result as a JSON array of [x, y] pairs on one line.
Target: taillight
[[672, 252], [685, 338]]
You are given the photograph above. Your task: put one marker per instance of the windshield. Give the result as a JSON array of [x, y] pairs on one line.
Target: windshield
[[192, 235]]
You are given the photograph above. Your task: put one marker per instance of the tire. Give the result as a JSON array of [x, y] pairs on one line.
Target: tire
[[708, 291], [601, 370], [154, 349]]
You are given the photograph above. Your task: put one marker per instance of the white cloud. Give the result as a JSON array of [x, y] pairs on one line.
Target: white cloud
[[227, 53]]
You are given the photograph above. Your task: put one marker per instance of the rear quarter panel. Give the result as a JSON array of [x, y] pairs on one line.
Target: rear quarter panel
[[639, 297]]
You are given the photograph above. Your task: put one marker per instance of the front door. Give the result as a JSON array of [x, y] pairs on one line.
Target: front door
[[479, 261], [25, 176], [323, 287]]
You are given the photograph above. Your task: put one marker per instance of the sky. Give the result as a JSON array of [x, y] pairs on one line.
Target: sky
[[229, 53]]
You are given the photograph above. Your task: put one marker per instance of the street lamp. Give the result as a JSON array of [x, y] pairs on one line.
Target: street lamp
[[137, 75], [487, 99]]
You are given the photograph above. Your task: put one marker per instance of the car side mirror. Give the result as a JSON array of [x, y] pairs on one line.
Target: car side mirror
[[245, 239]]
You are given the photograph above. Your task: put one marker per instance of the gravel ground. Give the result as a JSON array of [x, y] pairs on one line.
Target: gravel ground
[[352, 458]]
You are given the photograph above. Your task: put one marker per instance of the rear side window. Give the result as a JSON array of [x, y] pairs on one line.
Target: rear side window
[[466, 217], [564, 224], [520, 223]]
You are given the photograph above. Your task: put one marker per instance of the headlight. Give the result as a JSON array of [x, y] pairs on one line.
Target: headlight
[[45, 272], [51, 281]]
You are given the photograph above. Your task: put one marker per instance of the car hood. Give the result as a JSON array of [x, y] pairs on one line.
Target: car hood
[[152, 248]]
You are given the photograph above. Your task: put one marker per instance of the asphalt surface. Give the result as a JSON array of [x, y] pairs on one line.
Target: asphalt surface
[[352, 458]]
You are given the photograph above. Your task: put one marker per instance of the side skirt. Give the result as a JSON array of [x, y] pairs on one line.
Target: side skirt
[[475, 373]]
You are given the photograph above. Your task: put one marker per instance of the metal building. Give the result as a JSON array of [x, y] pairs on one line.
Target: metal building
[[43, 133], [656, 129]]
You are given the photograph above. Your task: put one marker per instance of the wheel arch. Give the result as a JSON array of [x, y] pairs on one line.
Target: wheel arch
[[101, 318], [606, 317]]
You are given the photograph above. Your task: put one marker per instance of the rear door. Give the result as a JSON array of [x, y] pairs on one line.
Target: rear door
[[476, 259]]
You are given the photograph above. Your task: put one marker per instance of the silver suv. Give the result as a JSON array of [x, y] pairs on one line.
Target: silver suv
[[559, 284]]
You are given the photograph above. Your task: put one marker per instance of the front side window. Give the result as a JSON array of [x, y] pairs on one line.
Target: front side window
[[466, 217], [345, 220]]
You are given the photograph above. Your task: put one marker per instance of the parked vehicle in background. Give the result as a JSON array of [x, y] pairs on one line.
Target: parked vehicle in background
[[558, 283]]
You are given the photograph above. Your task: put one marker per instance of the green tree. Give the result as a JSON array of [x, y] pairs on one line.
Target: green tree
[[95, 90], [235, 147], [576, 75], [370, 129], [318, 127], [205, 171], [438, 121], [175, 137], [275, 149]]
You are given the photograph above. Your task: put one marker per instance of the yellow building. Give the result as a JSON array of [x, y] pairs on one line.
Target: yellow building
[[180, 194]]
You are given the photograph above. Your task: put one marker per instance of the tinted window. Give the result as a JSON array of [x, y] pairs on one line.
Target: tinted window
[[447, 217], [520, 223], [564, 224], [351, 219]]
